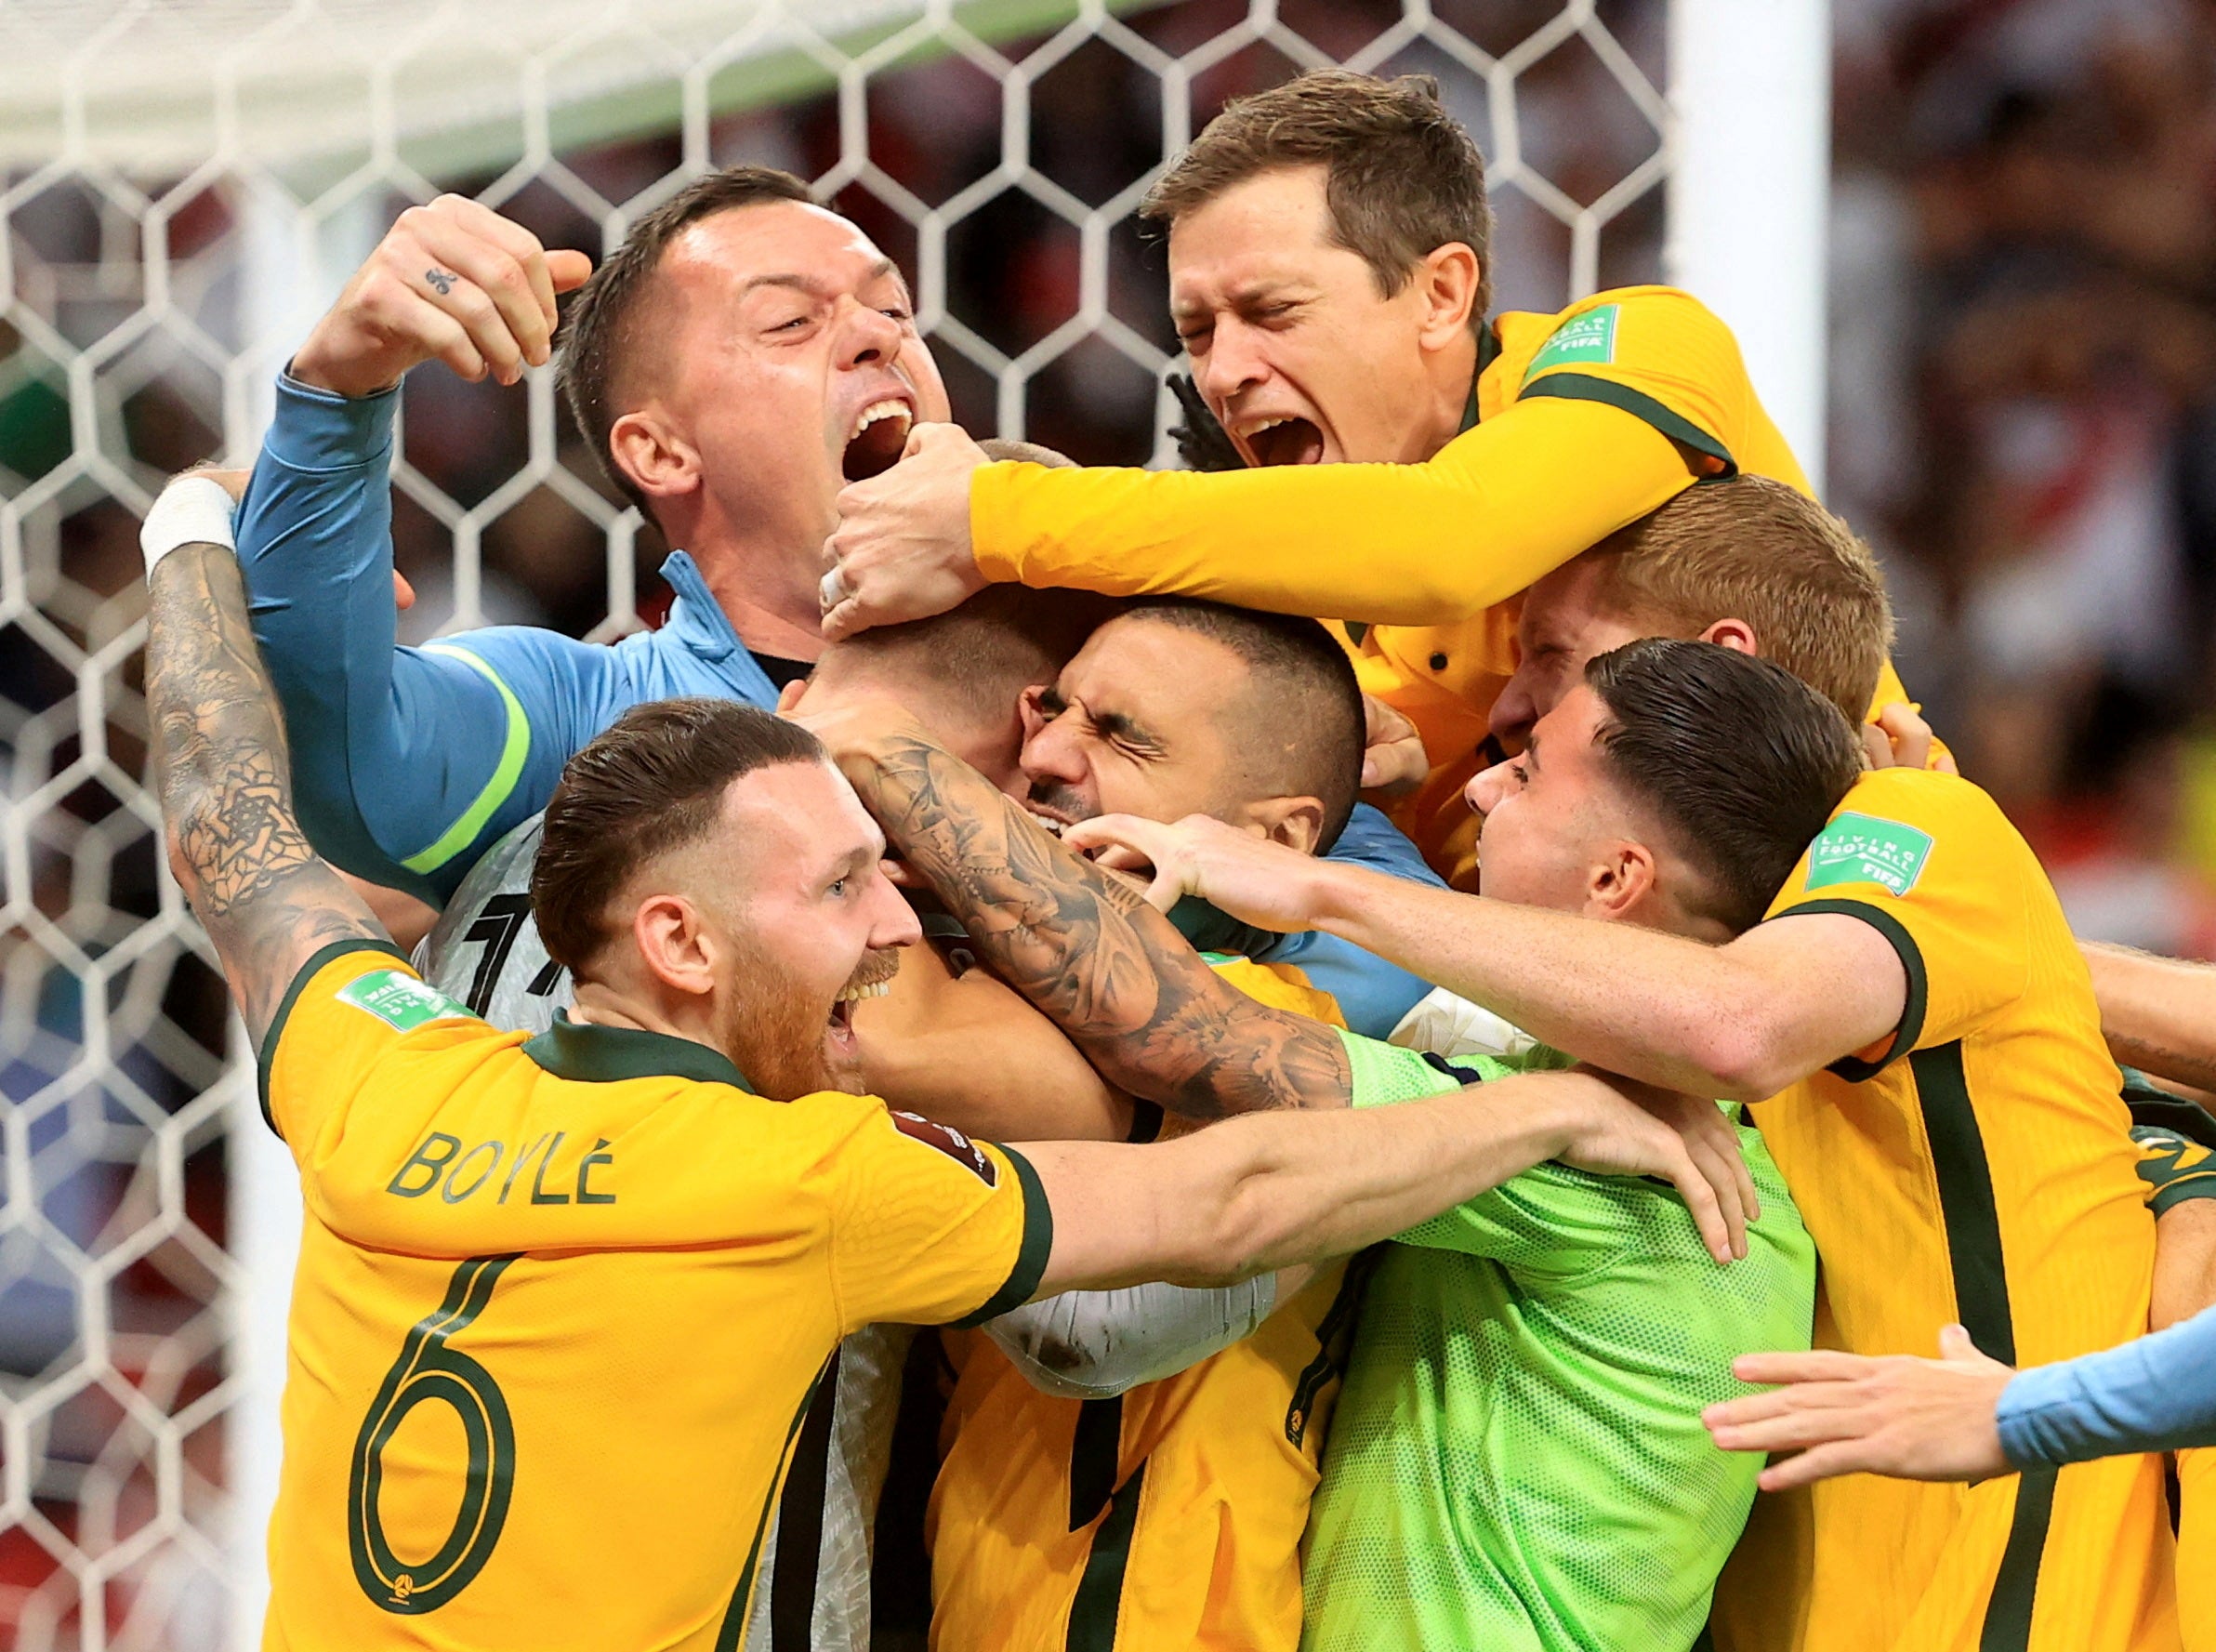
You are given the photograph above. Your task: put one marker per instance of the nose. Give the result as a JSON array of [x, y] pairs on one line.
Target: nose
[[866, 334], [1515, 708], [1232, 364], [892, 920], [1489, 787], [1051, 750]]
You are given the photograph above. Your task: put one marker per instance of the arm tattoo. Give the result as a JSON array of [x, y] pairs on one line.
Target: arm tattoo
[[1088, 951], [258, 888]]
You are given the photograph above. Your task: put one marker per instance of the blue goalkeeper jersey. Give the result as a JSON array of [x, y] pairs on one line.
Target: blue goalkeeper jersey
[[409, 763]]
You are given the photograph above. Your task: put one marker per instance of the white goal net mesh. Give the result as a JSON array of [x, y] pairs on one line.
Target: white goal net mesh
[[187, 183]]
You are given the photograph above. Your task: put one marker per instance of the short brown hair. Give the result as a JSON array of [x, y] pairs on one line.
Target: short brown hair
[[1304, 718], [1401, 176], [653, 782], [1748, 548], [601, 333], [1736, 758]]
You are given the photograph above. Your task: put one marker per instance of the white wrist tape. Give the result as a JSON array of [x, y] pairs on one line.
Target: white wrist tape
[[191, 510]]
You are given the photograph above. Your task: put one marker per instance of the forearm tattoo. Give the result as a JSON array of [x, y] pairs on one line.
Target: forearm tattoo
[[265, 899], [1088, 951]]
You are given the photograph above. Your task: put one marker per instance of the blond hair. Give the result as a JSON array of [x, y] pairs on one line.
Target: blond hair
[[1748, 548]]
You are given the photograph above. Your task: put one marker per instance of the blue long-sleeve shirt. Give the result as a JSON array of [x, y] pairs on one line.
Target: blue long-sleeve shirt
[[2158, 1394], [409, 763]]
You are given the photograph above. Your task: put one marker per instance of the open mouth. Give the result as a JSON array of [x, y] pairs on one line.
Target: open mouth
[[1285, 441], [874, 446]]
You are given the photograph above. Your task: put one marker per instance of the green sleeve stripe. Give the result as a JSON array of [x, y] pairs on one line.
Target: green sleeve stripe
[[1583, 387], [1031, 1252], [301, 977], [463, 832]]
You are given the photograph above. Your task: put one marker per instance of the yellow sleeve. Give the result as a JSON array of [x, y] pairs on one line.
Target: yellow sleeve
[[350, 1003], [1931, 863], [1503, 503], [930, 1227]]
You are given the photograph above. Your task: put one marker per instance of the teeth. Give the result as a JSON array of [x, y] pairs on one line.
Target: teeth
[[877, 410], [1268, 424], [876, 989]]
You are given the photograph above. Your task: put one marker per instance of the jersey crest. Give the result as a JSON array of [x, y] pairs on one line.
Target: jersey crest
[[401, 1002], [1863, 849], [952, 1143], [1586, 340]]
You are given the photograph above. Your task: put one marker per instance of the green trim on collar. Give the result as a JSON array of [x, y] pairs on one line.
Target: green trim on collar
[[266, 1061], [1582, 387], [1488, 351], [1036, 1246], [1852, 1068], [590, 1054]]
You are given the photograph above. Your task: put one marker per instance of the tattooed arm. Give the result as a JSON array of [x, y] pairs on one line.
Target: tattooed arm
[[1082, 945], [257, 887]]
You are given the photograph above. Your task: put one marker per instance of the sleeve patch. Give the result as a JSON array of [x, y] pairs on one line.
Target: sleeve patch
[[400, 1001], [1584, 341], [1863, 848], [952, 1143]]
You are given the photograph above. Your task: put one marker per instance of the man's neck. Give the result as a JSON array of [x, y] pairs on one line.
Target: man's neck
[[779, 616], [599, 1004], [1449, 398]]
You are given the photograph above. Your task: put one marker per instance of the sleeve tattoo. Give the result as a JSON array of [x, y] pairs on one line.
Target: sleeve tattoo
[[255, 885], [1087, 950]]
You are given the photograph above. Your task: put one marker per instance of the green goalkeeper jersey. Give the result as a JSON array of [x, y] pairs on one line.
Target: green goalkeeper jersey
[[1517, 1463]]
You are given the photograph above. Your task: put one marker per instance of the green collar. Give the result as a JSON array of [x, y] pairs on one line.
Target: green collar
[[595, 1054], [1488, 351]]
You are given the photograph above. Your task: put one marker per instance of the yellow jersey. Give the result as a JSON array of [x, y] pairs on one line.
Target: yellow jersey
[[1974, 1167], [1581, 422], [562, 1304], [1168, 1517]]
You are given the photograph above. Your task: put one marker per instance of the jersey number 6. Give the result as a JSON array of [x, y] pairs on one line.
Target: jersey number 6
[[427, 1369]]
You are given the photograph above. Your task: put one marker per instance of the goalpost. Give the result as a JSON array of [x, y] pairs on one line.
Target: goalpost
[[187, 184]]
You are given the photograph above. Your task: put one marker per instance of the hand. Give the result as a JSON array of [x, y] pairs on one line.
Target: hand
[[1901, 739], [1255, 880], [453, 282], [1393, 761], [1848, 1414], [1628, 1129], [901, 548]]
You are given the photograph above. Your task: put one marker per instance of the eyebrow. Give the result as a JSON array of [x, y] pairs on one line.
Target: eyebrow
[[1531, 751]]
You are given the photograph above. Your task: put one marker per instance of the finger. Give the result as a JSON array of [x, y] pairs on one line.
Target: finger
[[1717, 1164], [1820, 1463], [1166, 890], [1911, 736], [513, 239], [1374, 770], [1796, 1428], [850, 618], [500, 280], [1117, 832], [1947, 764], [404, 594], [441, 335], [568, 270], [1820, 1364], [1115, 858], [1686, 1176], [1876, 750]]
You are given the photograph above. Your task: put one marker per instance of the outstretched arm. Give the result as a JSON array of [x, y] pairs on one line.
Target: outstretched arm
[[257, 887], [1740, 1021], [2157, 1014], [1082, 945]]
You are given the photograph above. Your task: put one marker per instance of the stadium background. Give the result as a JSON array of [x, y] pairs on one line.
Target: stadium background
[[2022, 317]]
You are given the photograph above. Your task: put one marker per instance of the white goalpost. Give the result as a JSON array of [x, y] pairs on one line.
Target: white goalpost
[[184, 185]]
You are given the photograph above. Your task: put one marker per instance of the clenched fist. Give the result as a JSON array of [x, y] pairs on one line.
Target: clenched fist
[[453, 282]]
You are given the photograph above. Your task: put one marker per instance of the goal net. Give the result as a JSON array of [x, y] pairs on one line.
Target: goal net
[[187, 184]]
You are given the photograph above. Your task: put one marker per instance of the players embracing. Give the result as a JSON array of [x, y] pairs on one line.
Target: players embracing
[[1872, 967]]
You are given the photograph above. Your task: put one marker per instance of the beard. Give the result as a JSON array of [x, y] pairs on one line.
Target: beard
[[780, 1033], [1064, 800]]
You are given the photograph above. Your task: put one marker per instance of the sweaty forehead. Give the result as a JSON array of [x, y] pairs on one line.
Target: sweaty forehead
[[796, 823]]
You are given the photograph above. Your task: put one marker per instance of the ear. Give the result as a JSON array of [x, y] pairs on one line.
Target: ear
[[1620, 880], [673, 940], [1028, 708], [1298, 823], [1735, 634], [791, 695], [1447, 280], [660, 463]]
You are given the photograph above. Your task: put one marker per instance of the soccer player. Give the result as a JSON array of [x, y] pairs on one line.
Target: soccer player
[[1516, 1457], [653, 1225], [1916, 1031], [1413, 464]]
